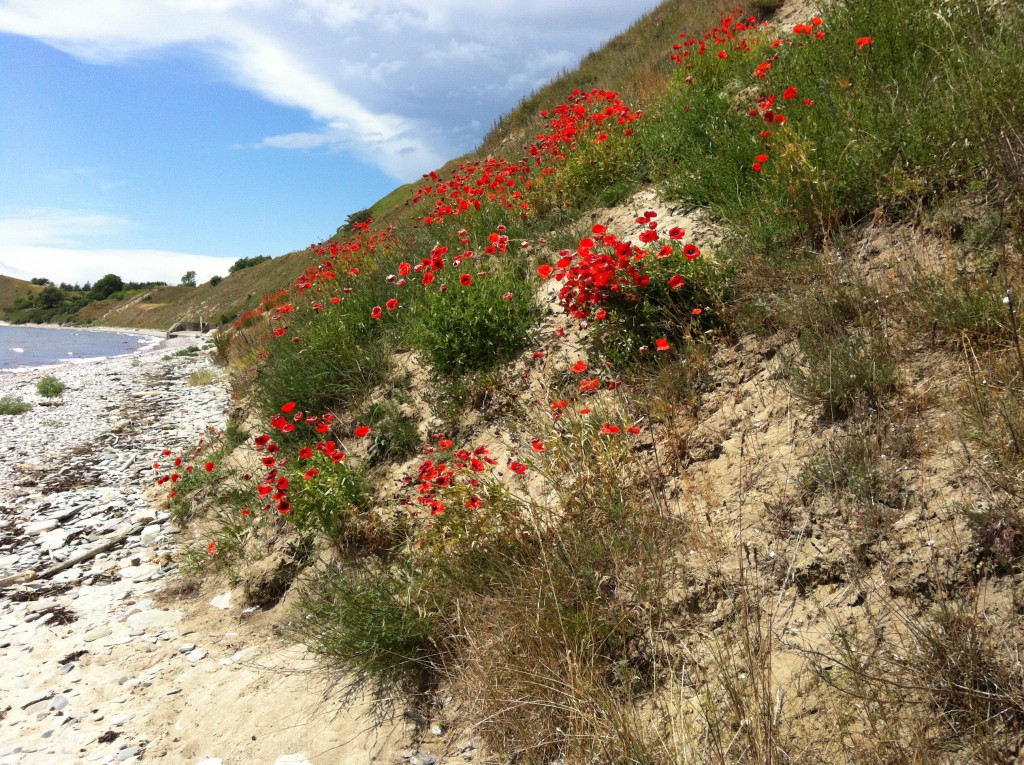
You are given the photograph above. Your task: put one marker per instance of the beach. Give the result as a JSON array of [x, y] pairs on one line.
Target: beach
[[104, 656]]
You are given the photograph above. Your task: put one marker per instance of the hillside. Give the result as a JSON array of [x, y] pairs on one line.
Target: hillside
[[683, 423]]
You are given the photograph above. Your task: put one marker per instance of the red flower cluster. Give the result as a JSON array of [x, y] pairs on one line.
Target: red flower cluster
[[603, 266]]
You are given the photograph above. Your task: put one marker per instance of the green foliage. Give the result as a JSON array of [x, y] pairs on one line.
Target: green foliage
[[342, 354], [331, 502], [471, 328], [242, 263], [215, 280], [395, 437], [106, 287], [13, 405], [50, 387], [189, 279]]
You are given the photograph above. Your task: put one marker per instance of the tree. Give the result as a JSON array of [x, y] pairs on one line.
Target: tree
[[51, 296], [189, 279], [215, 280], [107, 286], [42, 281]]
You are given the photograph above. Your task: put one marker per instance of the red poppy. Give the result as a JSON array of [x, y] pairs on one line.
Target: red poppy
[[363, 430], [691, 251], [538, 445], [392, 304], [376, 313], [465, 280], [518, 468], [278, 332], [544, 271], [209, 467], [305, 453], [287, 408], [609, 430], [634, 430], [789, 92], [473, 503], [211, 549], [428, 277], [676, 233], [675, 282], [579, 367], [863, 42], [662, 344], [311, 472]]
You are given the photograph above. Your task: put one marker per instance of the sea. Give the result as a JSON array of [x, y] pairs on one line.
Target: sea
[[39, 346]]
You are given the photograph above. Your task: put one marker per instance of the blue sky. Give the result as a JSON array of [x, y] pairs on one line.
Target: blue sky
[[151, 137]]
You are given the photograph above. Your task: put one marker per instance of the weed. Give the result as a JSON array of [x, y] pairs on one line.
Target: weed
[[13, 405], [202, 377], [50, 387]]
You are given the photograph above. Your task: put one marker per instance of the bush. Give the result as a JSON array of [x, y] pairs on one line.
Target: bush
[[13, 405], [50, 387], [469, 328]]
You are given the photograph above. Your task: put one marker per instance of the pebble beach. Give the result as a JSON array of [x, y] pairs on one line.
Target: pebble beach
[[100, 660]]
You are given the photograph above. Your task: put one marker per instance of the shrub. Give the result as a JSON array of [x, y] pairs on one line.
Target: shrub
[[50, 387], [13, 405], [468, 328]]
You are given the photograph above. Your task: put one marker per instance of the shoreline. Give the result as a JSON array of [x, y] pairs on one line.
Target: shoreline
[[101, 663], [157, 341]]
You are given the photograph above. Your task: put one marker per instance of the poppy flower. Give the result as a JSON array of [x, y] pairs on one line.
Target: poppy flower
[[517, 467], [362, 431], [789, 92], [633, 430], [662, 344], [465, 280], [311, 472], [691, 251], [609, 430], [676, 233], [287, 408], [579, 367], [428, 277], [863, 42], [209, 467], [376, 313], [305, 453], [696, 312], [538, 445], [392, 304], [279, 332], [544, 271], [473, 503], [756, 167], [675, 282], [211, 549]]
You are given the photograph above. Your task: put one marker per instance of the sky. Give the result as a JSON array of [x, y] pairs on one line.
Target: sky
[[148, 138]]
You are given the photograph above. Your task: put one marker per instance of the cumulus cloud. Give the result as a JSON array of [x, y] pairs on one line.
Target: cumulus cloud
[[397, 82], [55, 243]]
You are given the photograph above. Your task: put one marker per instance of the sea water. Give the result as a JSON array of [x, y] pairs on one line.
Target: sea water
[[38, 346]]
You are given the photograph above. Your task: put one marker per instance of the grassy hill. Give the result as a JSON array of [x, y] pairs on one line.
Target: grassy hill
[[11, 289], [680, 424]]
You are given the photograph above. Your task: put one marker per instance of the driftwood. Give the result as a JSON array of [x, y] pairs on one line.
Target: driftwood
[[113, 541]]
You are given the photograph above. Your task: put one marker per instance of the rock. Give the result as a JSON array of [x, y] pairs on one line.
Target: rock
[[150, 534], [222, 601], [96, 633], [41, 526], [59, 702], [197, 655], [187, 648], [153, 618]]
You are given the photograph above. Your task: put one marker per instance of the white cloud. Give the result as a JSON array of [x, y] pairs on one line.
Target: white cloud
[[54, 243], [375, 77]]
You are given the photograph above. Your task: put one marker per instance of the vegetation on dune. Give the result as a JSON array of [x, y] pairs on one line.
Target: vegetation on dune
[[628, 489]]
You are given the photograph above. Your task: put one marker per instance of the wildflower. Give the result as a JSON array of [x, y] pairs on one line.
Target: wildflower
[[609, 430], [661, 344], [691, 251], [579, 367], [305, 453], [676, 233], [675, 282], [538, 445], [362, 431], [311, 472], [428, 277], [376, 313], [209, 467], [863, 42], [465, 280], [633, 430], [544, 271], [789, 92], [211, 549], [392, 304], [518, 468]]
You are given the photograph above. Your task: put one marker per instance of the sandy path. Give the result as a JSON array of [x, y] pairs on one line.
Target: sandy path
[[98, 664]]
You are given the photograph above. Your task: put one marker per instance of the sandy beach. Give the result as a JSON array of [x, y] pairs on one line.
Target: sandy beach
[[109, 660]]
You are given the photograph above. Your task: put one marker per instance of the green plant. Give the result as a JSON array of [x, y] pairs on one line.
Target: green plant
[[13, 405], [202, 377], [474, 327], [335, 504], [50, 387]]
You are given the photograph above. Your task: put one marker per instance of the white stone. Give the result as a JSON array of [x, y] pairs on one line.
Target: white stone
[[222, 601]]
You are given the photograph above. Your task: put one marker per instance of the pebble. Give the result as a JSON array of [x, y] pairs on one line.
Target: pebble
[[197, 655], [222, 601]]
